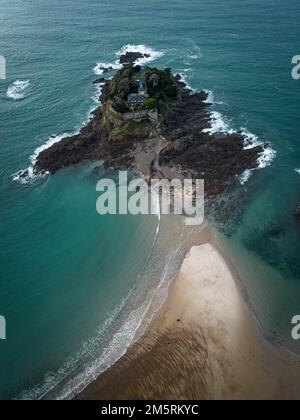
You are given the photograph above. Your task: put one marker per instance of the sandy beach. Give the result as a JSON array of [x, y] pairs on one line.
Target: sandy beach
[[203, 344]]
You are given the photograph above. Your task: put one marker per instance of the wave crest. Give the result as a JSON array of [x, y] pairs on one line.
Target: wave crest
[[18, 89], [28, 175], [143, 49]]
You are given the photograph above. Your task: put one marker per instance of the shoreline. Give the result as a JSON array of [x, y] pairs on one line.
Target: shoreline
[[169, 249], [207, 234], [153, 337], [143, 329], [275, 345], [178, 120], [156, 304]]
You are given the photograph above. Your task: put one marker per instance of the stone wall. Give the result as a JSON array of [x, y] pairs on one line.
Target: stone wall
[[117, 119], [141, 115]]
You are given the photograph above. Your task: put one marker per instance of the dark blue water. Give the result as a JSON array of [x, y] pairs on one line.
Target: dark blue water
[[65, 272]]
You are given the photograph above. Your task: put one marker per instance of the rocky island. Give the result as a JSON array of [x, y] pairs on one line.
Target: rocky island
[[150, 122]]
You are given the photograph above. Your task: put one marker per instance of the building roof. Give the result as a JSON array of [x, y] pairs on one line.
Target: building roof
[[134, 97]]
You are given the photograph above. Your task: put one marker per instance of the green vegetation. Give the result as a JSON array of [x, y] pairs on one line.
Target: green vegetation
[[120, 105], [158, 89], [161, 87], [150, 103], [124, 83], [131, 130]]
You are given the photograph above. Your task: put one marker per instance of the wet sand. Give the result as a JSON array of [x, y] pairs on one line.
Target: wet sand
[[203, 344]]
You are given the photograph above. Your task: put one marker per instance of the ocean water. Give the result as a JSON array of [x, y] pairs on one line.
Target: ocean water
[[69, 278]]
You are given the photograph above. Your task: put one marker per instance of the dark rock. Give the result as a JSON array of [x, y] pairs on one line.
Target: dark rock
[[105, 92], [132, 57], [188, 151], [297, 212], [216, 159], [105, 69], [99, 81]]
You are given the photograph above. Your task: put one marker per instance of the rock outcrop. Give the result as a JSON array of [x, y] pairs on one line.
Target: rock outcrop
[[183, 149], [132, 57]]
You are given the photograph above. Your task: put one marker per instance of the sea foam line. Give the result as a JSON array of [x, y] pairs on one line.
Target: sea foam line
[[28, 175], [98, 70], [126, 334], [115, 65], [53, 379], [71, 382], [265, 159], [25, 176], [219, 124], [143, 49]]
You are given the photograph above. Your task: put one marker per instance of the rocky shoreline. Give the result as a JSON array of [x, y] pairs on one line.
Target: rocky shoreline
[[179, 146]]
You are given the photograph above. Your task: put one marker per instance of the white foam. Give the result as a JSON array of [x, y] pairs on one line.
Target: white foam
[[95, 97], [251, 140], [111, 351], [210, 97], [265, 158], [143, 49], [244, 178], [218, 124], [55, 378], [99, 68], [297, 171], [184, 80], [27, 175], [18, 89], [126, 333], [196, 51], [117, 347]]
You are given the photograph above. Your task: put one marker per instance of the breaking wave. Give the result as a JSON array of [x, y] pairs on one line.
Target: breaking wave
[[219, 124], [143, 49], [18, 90], [151, 55], [28, 175], [99, 69]]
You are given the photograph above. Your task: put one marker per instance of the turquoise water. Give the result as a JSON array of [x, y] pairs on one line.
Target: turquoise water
[[65, 272]]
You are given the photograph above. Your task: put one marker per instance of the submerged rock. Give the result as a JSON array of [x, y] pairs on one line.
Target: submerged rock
[[99, 81], [106, 69]]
